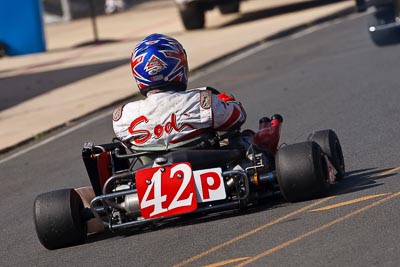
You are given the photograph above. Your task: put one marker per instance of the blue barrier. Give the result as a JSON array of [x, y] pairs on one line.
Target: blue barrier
[[21, 26]]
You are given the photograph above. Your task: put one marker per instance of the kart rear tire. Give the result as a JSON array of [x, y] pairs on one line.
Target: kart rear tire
[[302, 172], [192, 15], [229, 8], [330, 144], [58, 219]]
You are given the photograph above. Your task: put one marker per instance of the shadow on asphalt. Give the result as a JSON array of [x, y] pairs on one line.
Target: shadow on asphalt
[[97, 41], [362, 179], [26, 86], [271, 12]]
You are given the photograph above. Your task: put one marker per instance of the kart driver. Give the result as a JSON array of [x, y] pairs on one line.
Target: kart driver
[[170, 115]]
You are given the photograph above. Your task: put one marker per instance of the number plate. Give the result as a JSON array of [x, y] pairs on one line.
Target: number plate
[[166, 191]]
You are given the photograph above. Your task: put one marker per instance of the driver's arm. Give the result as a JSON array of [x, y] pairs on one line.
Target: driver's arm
[[228, 114]]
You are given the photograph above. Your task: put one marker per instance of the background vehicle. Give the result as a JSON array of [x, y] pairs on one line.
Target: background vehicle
[[192, 12], [384, 23], [125, 193]]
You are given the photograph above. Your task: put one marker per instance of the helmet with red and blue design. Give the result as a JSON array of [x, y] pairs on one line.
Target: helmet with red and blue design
[[159, 62]]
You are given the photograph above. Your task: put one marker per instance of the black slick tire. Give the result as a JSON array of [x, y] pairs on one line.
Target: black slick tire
[[58, 219], [302, 172]]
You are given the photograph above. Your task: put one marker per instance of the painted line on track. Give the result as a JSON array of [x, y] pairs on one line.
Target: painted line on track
[[278, 220], [57, 136], [317, 230], [389, 171], [341, 204], [226, 262], [251, 232]]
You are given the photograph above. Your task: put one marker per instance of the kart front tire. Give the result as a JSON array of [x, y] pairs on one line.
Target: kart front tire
[[330, 144], [302, 172], [58, 219]]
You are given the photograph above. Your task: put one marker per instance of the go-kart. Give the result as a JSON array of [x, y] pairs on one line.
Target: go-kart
[[132, 189]]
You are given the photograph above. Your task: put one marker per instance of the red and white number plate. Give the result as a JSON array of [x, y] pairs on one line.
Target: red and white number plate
[[175, 189]]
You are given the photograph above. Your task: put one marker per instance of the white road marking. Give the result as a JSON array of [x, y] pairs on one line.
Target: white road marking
[[57, 136]]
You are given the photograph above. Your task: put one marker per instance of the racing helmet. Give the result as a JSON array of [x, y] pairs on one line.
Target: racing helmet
[[159, 62]]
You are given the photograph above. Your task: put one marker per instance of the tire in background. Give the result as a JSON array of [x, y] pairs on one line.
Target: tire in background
[[302, 171], [192, 15], [330, 144], [58, 219]]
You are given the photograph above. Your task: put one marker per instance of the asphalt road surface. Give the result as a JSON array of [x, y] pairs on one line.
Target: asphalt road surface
[[330, 78]]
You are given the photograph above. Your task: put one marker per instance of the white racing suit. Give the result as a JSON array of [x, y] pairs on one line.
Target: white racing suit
[[169, 119]]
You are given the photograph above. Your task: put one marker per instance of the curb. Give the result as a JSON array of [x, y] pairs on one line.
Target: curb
[[282, 34]]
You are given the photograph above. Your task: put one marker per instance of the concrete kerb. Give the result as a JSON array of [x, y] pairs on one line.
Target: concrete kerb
[[282, 34]]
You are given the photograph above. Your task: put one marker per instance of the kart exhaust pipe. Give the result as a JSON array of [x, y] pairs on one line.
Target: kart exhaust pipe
[[264, 178], [268, 178]]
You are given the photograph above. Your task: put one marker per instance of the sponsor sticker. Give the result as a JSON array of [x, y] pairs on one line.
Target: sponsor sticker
[[205, 99], [155, 65], [117, 114]]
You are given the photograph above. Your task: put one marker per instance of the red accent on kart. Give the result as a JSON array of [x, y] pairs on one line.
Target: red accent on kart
[[275, 123], [104, 167], [166, 191], [267, 137]]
